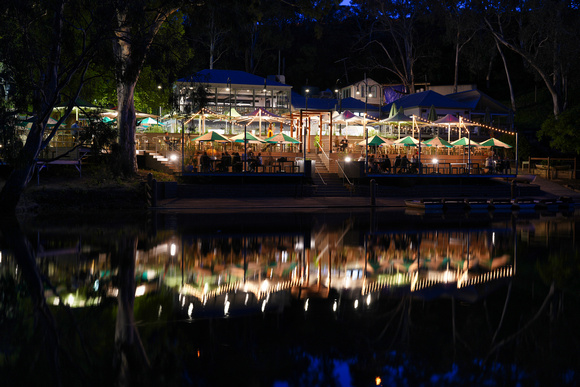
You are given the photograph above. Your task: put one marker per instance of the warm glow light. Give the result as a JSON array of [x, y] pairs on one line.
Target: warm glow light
[[140, 291], [347, 159], [334, 306], [369, 299], [378, 381], [173, 157], [435, 161], [306, 305], [355, 304], [265, 286]]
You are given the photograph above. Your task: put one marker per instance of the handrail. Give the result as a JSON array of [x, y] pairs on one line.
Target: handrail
[[344, 174], [328, 165], [316, 169], [328, 160]]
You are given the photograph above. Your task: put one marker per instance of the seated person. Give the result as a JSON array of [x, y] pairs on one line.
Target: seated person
[[386, 165], [205, 162], [237, 162], [226, 161]]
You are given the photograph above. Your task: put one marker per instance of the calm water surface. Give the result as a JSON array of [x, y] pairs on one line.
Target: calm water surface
[[301, 298]]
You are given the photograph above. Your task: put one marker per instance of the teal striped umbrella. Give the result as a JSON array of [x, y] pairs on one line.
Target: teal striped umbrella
[[464, 141], [212, 136], [282, 138], [438, 142], [249, 138], [407, 141], [494, 142]]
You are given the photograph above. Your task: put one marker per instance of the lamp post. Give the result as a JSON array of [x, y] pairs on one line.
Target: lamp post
[[265, 97], [366, 91], [305, 128], [229, 90]]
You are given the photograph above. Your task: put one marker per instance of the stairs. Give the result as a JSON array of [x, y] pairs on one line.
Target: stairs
[[158, 162], [327, 184]]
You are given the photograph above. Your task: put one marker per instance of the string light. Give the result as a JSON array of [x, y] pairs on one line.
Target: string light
[[464, 121]]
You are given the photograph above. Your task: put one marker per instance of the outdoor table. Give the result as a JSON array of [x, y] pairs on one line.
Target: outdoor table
[[282, 166], [473, 168], [444, 168], [458, 167], [431, 167]]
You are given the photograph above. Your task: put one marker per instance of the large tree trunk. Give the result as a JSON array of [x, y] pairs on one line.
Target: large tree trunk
[[44, 99], [22, 173], [130, 360], [127, 122], [45, 326], [130, 48], [507, 74]]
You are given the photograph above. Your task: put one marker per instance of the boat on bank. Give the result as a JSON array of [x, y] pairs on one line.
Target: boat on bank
[[555, 204], [477, 204], [501, 204], [454, 204], [525, 203], [425, 204]]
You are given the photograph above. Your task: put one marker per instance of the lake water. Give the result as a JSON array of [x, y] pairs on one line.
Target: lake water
[[291, 298]]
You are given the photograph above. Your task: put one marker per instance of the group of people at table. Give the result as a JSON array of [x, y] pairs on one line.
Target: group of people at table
[[402, 164], [233, 162]]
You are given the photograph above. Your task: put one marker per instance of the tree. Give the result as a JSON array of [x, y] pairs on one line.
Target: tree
[[59, 39], [562, 131], [545, 35], [137, 24], [461, 24], [393, 28]]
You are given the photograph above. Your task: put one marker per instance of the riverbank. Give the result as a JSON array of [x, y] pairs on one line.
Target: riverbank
[[91, 193]]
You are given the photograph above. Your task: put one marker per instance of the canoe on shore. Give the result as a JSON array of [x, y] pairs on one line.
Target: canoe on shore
[[525, 203], [425, 204], [555, 204], [477, 204], [501, 204]]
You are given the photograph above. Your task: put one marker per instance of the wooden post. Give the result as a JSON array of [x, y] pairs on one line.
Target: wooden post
[[330, 133]]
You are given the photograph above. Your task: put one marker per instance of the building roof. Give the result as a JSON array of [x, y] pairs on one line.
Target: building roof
[[479, 102], [426, 99], [235, 77], [299, 102]]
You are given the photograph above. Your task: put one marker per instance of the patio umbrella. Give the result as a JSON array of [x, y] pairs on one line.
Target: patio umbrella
[[149, 121], [432, 114], [376, 141], [260, 115], [282, 138], [464, 141], [397, 119], [347, 117], [406, 141], [448, 120], [211, 136], [249, 138], [51, 122], [438, 142], [494, 142], [393, 110]]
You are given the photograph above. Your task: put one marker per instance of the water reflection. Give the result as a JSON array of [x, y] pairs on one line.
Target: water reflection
[[354, 275]]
